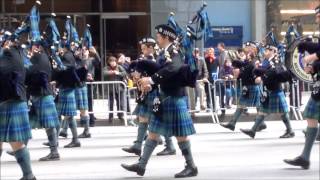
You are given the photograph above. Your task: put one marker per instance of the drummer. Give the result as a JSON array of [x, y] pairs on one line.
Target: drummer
[[312, 110]]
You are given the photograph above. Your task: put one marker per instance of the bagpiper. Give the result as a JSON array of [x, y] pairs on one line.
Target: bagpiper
[[273, 100], [146, 67], [171, 117]]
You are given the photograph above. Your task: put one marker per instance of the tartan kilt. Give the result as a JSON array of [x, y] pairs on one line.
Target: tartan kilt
[[175, 119], [14, 121], [276, 104], [66, 105], [145, 109], [253, 98], [81, 94], [141, 110], [312, 110], [43, 113]]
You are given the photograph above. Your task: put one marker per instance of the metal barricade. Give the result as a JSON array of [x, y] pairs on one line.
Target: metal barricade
[[105, 93], [132, 95], [294, 98], [220, 86], [193, 106]]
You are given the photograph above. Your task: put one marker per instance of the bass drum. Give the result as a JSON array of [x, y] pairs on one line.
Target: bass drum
[[294, 59]]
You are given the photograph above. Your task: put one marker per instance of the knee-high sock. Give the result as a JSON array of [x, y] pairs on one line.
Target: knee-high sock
[[169, 144], [73, 127], [142, 130], [311, 135], [286, 120], [64, 125], [52, 137], [149, 146], [185, 148], [58, 131], [236, 116], [259, 120], [85, 120], [23, 159]]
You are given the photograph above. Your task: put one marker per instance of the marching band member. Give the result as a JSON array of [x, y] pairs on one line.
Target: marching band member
[[43, 113], [67, 80], [273, 98], [172, 117], [146, 67], [312, 110], [14, 125]]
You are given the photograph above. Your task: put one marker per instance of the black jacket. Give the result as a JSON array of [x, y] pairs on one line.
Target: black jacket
[[67, 78], [12, 75], [168, 73], [39, 75], [273, 77], [246, 72]]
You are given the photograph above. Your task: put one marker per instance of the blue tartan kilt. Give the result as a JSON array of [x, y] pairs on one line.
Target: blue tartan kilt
[[66, 105], [145, 109], [14, 121], [175, 119], [253, 97], [141, 110], [81, 94], [43, 113], [312, 110], [276, 103]]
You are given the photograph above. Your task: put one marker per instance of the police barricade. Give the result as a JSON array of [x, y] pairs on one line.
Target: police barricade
[[194, 96], [109, 98], [303, 93], [225, 93], [294, 93], [132, 96], [222, 89]]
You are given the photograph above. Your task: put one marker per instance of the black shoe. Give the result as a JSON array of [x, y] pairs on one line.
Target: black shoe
[[187, 172], [63, 134], [288, 134], [134, 168], [261, 127], [298, 161], [248, 132], [132, 150], [228, 126], [51, 157], [24, 178], [166, 152], [85, 134], [11, 153], [48, 144], [73, 144]]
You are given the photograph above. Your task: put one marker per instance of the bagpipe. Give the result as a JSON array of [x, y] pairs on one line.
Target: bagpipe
[[139, 69], [197, 28]]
